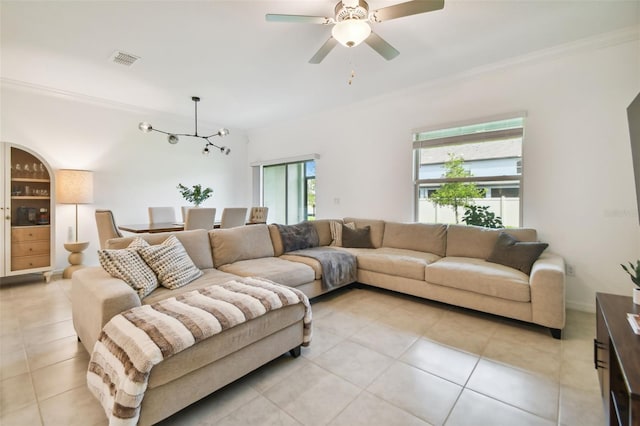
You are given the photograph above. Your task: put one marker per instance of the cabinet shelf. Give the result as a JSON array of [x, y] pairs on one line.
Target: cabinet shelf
[[28, 239], [32, 180], [30, 197]]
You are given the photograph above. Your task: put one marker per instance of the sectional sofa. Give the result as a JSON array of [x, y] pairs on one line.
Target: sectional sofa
[[446, 263]]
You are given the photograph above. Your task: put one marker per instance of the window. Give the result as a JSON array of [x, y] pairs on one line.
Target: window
[[479, 164], [288, 189]]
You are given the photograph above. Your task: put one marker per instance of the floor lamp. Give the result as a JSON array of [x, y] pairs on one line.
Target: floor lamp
[[74, 187]]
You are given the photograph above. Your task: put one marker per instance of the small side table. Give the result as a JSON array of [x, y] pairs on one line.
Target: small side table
[[75, 257]]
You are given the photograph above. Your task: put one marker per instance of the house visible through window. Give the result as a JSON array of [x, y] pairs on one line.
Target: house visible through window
[[485, 158]]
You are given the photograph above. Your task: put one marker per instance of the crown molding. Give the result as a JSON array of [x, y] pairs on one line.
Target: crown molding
[[66, 94]]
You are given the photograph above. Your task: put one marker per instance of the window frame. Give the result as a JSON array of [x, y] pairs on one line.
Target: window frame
[[485, 136]]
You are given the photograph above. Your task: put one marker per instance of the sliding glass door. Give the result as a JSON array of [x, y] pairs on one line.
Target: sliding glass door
[[289, 191]]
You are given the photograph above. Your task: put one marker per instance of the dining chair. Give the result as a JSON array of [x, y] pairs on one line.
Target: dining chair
[[258, 214], [200, 218], [107, 228], [162, 215], [233, 216], [184, 209]]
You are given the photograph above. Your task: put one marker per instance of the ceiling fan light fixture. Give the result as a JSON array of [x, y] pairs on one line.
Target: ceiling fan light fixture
[[351, 32]]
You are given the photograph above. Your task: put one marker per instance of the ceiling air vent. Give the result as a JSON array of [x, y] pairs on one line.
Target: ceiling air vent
[[122, 58]]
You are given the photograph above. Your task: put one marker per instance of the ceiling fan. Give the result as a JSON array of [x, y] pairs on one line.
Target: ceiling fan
[[351, 24]]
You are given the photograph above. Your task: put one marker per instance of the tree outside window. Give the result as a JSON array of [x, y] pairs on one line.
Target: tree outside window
[[456, 194]]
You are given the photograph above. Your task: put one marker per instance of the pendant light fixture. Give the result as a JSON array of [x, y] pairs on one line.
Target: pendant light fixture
[[173, 137]]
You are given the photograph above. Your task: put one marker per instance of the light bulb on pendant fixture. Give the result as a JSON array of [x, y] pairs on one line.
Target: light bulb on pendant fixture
[[351, 32], [173, 138]]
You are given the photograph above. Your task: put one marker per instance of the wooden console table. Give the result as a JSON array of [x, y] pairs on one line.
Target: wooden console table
[[616, 355]]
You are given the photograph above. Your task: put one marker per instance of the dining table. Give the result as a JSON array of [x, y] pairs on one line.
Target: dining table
[[154, 228]]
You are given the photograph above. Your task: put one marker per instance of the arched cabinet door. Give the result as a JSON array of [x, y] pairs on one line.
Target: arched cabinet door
[[27, 213]]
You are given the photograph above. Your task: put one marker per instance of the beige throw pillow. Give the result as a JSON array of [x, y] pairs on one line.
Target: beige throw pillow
[[171, 263], [127, 265], [336, 232]]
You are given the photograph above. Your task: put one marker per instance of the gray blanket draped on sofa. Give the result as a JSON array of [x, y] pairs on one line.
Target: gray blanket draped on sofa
[[338, 267]]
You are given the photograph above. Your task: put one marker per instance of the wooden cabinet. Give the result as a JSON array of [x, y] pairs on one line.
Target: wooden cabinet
[[27, 231], [617, 359]]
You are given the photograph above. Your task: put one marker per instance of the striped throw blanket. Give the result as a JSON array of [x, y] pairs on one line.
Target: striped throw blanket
[[132, 342]]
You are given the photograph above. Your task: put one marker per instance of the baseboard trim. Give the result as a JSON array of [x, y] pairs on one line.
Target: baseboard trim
[[584, 307]]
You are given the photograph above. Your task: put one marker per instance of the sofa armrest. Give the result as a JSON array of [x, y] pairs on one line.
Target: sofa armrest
[[547, 282], [96, 297]]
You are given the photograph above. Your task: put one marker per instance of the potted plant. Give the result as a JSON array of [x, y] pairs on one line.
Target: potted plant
[[634, 272], [196, 194]]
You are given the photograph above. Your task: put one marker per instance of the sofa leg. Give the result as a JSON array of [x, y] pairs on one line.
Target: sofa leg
[[556, 333], [295, 352]]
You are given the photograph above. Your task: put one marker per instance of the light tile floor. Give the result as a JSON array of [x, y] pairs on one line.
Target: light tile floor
[[377, 358]]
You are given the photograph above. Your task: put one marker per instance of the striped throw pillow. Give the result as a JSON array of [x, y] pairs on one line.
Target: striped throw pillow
[[127, 265]]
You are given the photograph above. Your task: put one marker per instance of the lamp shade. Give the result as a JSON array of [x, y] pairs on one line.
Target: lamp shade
[[351, 32], [74, 186]]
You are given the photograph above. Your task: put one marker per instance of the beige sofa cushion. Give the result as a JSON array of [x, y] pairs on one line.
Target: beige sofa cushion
[[309, 261], [276, 240], [377, 229], [480, 276], [195, 242], [478, 242], [394, 261], [240, 243], [324, 231], [275, 269], [429, 238]]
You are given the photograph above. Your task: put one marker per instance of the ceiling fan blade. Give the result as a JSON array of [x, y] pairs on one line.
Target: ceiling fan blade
[[298, 19], [378, 44], [323, 51], [406, 9]]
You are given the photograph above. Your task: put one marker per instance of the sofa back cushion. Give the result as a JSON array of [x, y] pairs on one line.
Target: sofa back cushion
[[195, 242], [424, 237], [478, 242], [240, 243], [276, 240], [376, 229], [323, 226]]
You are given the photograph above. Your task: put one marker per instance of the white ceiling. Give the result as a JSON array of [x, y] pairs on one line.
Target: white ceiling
[[249, 72]]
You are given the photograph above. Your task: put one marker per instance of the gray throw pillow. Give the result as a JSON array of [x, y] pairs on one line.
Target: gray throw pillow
[[516, 254], [356, 238]]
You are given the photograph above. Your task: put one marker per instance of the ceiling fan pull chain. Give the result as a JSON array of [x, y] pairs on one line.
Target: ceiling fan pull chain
[[353, 68]]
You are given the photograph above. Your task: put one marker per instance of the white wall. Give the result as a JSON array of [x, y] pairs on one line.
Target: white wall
[[133, 170], [578, 184]]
